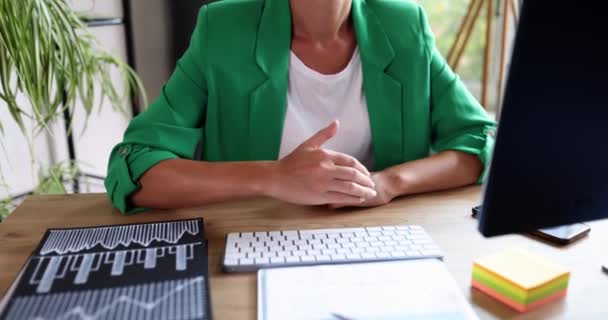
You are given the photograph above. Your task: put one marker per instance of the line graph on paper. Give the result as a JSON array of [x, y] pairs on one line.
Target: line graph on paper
[[138, 271], [175, 299]]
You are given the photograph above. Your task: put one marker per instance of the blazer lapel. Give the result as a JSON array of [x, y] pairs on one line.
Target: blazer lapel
[[268, 101], [383, 93]]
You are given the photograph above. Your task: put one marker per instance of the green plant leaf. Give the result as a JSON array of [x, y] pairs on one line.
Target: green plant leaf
[[48, 55]]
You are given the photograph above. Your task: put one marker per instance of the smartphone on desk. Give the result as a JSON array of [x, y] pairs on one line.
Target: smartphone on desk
[[561, 235]]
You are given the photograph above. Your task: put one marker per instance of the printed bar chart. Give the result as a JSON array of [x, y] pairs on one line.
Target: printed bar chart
[[140, 271]]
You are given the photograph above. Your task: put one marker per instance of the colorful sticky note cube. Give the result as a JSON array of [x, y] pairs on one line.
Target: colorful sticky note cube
[[519, 279]]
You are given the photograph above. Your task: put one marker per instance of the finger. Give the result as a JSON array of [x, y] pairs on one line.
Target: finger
[[342, 159], [343, 199], [352, 189], [354, 175], [322, 136]]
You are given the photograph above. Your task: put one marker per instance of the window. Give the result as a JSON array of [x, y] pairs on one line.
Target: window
[[445, 17]]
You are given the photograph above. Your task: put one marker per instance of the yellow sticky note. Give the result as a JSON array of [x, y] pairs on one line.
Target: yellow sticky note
[[522, 268]]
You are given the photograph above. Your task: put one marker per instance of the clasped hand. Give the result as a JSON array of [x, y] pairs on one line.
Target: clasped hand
[[311, 175]]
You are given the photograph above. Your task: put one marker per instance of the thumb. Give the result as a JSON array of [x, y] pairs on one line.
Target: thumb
[[322, 136]]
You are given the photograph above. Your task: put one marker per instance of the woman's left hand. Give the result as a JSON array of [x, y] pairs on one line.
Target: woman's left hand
[[384, 192]]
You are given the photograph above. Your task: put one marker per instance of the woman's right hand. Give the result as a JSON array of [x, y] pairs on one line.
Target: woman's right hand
[[311, 175]]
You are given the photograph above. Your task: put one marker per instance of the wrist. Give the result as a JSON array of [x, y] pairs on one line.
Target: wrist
[[396, 183], [264, 182]]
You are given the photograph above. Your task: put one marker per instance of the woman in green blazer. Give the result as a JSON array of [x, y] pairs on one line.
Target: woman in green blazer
[[215, 131]]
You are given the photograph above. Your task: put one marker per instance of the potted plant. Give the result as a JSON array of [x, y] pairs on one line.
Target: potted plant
[[48, 56]]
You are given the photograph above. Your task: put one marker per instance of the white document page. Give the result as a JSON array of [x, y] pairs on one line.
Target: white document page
[[412, 289]]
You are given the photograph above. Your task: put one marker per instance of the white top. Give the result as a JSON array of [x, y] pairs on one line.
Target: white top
[[314, 100]]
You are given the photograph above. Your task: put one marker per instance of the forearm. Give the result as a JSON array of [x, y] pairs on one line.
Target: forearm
[[182, 183], [445, 170]]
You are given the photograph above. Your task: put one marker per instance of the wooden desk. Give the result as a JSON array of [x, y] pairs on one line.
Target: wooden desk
[[445, 215]]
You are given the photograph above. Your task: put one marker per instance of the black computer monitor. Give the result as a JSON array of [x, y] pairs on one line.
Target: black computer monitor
[[550, 162]]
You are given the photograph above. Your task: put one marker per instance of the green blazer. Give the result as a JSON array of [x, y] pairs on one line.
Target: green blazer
[[228, 93]]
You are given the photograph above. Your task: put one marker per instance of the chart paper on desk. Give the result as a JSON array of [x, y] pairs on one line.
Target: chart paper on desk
[[413, 290], [138, 271]]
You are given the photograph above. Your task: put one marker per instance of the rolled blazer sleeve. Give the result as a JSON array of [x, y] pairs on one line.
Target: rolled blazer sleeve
[[170, 128], [458, 121]]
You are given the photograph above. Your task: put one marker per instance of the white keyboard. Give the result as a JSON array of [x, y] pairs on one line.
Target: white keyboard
[[250, 251]]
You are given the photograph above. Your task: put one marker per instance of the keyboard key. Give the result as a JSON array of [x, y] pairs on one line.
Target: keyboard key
[[231, 262], [300, 242], [328, 252], [333, 246], [398, 254], [357, 250], [415, 247], [254, 255], [313, 252], [338, 257], [308, 259], [323, 258], [235, 256], [277, 260], [268, 254], [298, 253], [368, 255], [305, 247], [348, 245], [246, 234], [291, 248], [232, 248], [314, 241], [275, 249], [401, 228], [417, 236], [377, 244], [353, 256], [306, 236], [262, 260], [383, 255], [374, 229], [431, 253], [290, 233], [389, 228], [246, 262], [292, 259], [402, 248], [413, 253], [284, 254], [362, 245]]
